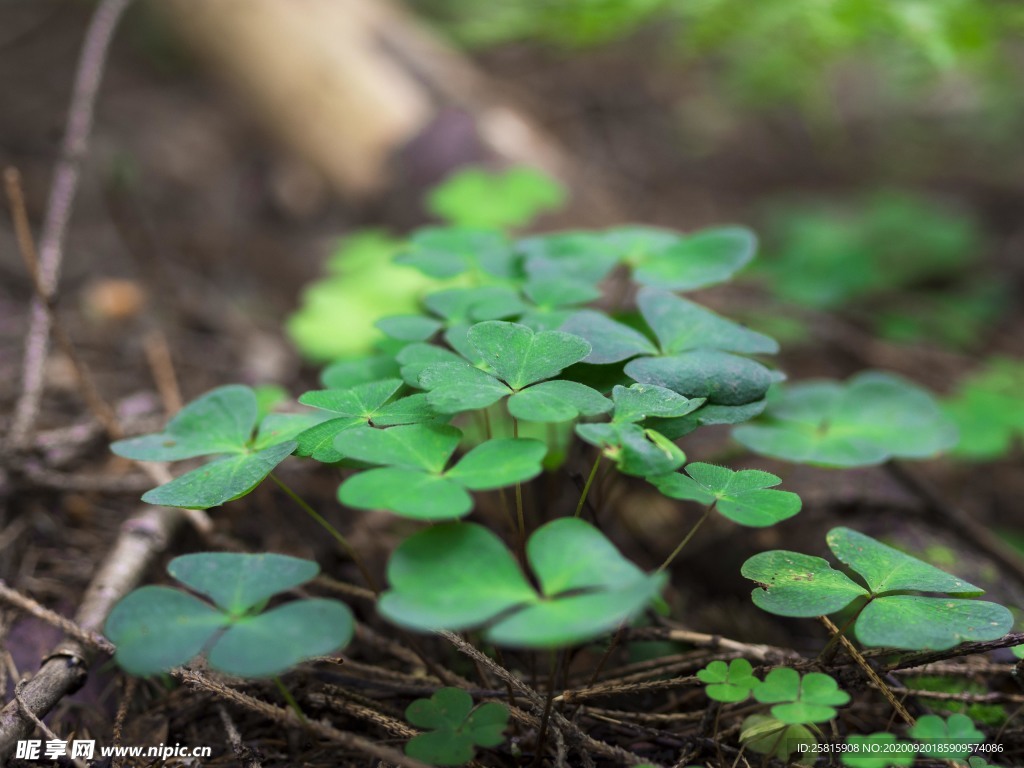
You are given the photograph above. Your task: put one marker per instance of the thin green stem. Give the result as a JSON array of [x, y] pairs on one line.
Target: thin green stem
[[686, 539], [349, 549], [292, 703], [590, 482], [520, 517]]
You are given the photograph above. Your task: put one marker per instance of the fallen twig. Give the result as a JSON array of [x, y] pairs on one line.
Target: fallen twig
[[88, 75]]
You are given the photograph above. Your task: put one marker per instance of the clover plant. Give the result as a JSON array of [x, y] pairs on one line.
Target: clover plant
[[514, 337], [157, 628], [891, 609], [870, 419], [462, 576], [456, 728], [800, 699], [729, 683], [946, 739], [221, 423]]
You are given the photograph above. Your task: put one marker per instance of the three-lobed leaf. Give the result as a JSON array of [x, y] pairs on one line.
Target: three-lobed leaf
[[455, 727], [729, 683], [871, 418], [793, 584], [158, 628], [745, 497], [412, 479], [459, 576]]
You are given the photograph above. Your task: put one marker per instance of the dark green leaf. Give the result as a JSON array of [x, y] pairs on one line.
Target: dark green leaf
[[269, 644], [796, 585], [416, 446], [521, 357], [221, 421], [610, 341], [220, 481], [704, 258], [147, 643], [555, 401], [682, 325], [499, 463], [237, 582], [720, 377], [868, 420]]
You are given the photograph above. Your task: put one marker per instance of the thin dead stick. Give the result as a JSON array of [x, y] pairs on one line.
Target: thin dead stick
[[64, 671], [246, 756], [88, 75], [18, 690], [748, 650], [100, 408], [964, 649], [884, 689], [537, 702], [26, 604], [287, 717], [158, 355]]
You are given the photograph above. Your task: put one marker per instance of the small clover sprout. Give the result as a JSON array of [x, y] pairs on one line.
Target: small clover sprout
[[800, 700], [946, 739], [890, 614], [868, 420], [411, 478], [745, 497], [220, 423], [878, 750], [460, 575], [158, 628], [455, 728], [767, 735], [729, 683]]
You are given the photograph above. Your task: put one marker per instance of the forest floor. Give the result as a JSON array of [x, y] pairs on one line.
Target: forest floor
[[194, 232]]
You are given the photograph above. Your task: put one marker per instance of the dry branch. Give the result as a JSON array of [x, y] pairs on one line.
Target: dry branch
[[58, 212]]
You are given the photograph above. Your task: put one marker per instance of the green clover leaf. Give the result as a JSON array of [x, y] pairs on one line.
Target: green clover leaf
[[639, 402], [412, 480], [445, 252], [877, 750], [792, 584], [744, 496], [455, 728], [767, 735], [460, 575], [636, 451], [158, 628], [476, 197], [800, 700], [939, 738], [518, 361], [368, 403], [729, 683], [220, 423], [704, 258], [868, 420]]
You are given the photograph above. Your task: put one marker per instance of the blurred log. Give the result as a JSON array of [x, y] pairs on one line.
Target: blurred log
[[347, 84]]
